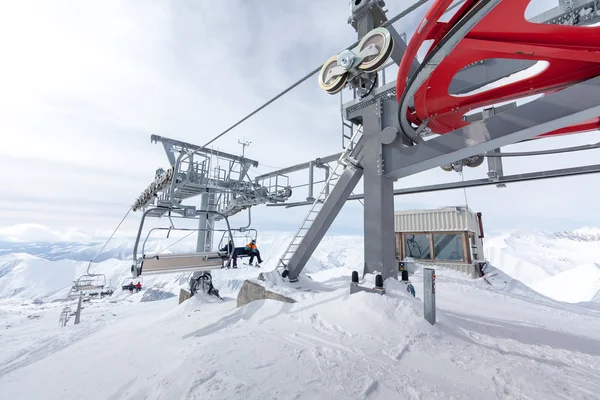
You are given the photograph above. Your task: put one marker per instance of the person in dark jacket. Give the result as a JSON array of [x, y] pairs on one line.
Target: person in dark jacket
[[230, 249]]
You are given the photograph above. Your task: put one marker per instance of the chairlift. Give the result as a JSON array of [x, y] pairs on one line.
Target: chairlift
[[89, 282], [149, 264], [131, 283]]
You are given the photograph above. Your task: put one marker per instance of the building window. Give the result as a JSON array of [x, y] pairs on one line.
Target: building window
[[417, 246], [448, 247]]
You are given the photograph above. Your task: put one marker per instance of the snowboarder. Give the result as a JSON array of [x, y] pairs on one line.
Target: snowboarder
[[252, 251], [138, 287], [231, 249]]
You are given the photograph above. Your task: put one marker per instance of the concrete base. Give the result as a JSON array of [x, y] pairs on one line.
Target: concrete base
[[252, 291], [183, 295]]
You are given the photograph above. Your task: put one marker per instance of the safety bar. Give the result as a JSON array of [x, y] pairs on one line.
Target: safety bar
[[171, 263]]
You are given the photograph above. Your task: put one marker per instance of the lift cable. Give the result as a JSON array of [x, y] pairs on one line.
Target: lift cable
[[462, 176], [303, 79], [173, 244], [108, 240]]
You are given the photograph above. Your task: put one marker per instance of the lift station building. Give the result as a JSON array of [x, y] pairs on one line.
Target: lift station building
[[450, 237]]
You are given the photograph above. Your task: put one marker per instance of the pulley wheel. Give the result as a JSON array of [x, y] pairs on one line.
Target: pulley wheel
[[475, 161], [334, 84], [383, 41]]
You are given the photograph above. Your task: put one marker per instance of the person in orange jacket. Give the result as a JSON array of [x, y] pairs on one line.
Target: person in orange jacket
[[252, 250]]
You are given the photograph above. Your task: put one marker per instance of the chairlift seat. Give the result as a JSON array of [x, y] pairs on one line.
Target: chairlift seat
[[171, 263], [87, 287]]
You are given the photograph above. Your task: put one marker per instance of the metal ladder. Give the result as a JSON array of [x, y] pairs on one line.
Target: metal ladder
[[317, 205]]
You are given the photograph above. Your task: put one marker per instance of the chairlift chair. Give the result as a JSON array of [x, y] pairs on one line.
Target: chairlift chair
[[150, 264], [89, 282], [129, 282]]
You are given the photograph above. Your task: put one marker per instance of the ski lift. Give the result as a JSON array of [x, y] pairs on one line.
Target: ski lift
[[89, 283], [131, 284], [177, 262], [239, 235]]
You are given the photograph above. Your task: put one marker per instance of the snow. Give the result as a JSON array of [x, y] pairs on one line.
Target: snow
[[488, 343], [569, 286], [494, 339], [539, 259]]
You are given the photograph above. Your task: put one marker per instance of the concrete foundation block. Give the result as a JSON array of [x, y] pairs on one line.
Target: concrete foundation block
[[252, 291]]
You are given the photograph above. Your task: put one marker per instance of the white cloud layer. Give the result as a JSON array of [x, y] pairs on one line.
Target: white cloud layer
[[83, 85]]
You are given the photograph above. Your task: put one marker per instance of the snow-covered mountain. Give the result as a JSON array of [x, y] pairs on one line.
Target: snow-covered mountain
[[45, 272], [562, 266]]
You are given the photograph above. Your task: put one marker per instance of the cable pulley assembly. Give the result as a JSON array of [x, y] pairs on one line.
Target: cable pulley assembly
[[357, 65]]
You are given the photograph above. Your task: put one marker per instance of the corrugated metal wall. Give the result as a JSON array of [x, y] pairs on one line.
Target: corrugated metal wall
[[438, 220]]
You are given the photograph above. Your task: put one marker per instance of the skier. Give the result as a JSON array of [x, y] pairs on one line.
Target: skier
[[252, 251], [131, 287], [138, 287]]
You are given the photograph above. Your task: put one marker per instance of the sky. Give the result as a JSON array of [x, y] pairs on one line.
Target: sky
[[85, 84]]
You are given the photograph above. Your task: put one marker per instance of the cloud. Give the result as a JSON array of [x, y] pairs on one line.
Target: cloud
[[84, 85], [41, 233]]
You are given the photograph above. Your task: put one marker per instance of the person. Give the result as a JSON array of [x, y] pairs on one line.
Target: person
[[138, 287], [229, 248], [131, 287], [252, 251]]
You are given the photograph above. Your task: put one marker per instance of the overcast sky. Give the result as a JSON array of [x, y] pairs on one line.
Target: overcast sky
[[84, 84]]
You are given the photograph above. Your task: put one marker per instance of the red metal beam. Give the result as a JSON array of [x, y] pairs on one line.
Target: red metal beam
[[573, 54]]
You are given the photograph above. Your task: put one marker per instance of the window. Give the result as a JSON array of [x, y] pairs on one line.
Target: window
[[417, 246], [448, 247]]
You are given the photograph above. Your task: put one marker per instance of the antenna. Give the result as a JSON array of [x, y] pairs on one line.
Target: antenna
[[244, 143]]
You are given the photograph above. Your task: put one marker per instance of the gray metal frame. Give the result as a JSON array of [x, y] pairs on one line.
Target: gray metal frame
[[183, 212], [391, 148]]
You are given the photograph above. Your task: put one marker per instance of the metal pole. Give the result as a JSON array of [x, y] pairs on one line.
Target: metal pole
[[429, 295], [311, 176], [201, 243], [78, 313]]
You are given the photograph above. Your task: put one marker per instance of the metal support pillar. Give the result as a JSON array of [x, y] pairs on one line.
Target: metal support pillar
[[495, 169], [78, 312], [325, 167], [429, 295], [203, 224], [380, 254], [323, 220], [311, 180], [210, 222], [367, 15]]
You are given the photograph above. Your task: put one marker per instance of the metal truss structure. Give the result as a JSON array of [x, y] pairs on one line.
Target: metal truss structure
[[225, 189], [444, 111], [457, 108], [220, 179]]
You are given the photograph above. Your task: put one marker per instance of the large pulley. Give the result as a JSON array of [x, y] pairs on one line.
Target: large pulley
[[369, 56]]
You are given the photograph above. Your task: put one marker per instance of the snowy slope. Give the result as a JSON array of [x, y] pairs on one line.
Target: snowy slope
[[575, 285], [489, 343], [48, 275], [531, 257], [542, 260], [29, 277]]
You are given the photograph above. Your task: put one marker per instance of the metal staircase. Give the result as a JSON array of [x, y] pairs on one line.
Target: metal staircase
[[317, 205]]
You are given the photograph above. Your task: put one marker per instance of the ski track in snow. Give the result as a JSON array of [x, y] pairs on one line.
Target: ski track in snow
[[502, 340]]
